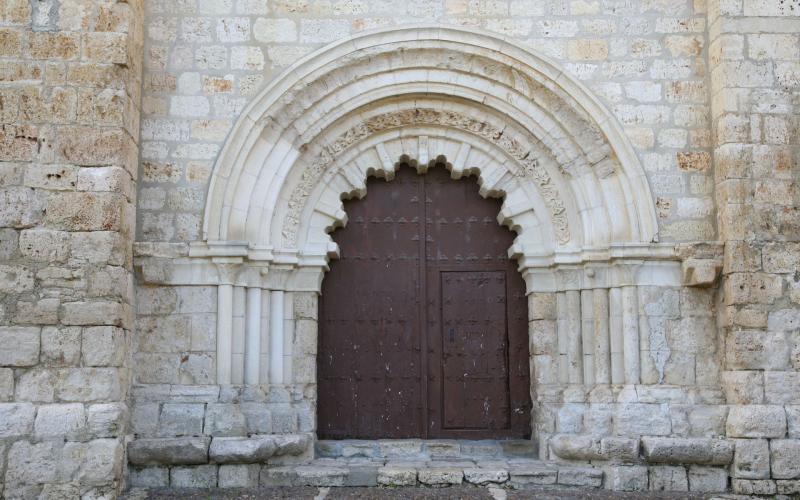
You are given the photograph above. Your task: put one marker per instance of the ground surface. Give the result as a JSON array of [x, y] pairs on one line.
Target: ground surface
[[456, 493]]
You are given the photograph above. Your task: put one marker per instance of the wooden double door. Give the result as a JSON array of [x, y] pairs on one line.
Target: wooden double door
[[423, 319]]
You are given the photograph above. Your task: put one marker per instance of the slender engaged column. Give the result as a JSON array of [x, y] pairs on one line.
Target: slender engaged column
[[574, 350], [630, 334], [264, 356], [288, 336], [276, 337], [237, 338], [587, 335], [224, 333], [615, 331], [602, 342], [252, 345], [562, 327]]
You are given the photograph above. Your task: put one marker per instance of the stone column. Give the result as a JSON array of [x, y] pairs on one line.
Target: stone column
[[617, 338], [224, 333], [630, 334], [252, 347], [587, 335], [276, 323], [68, 156], [602, 341], [573, 337]]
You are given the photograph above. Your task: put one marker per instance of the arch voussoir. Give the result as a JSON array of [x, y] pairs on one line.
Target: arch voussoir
[[532, 135]]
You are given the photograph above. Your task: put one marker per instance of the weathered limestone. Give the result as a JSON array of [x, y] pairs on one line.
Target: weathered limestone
[[397, 476], [71, 76], [659, 124], [242, 450], [688, 451], [168, 451]]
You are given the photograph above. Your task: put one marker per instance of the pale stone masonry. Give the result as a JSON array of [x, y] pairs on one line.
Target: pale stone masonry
[[70, 88], [166, 191]]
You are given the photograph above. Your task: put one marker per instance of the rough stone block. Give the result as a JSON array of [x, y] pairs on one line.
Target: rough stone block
[[86, 211], [98, 312], [642, 419], [247, 450], [225, 420], [532, 475], [19, 346], [16, 419], [783, 387], [792, 418], [580, 476], [19, 206], [200, 476], [107, 419], [668, 478], [162, 451], [440, 476], [617, 448], [755, 421], [238, 476], [33, 463], [400, 448], [258, 418], [15, 279], [785, 458], [397, 476], [688, 450], [44, 245], [751, 460], [103, 346], [576, 447], [292, 444], [362, 475], [757, 349], [36, 385], [149, 477], [312, 475], [6, 384], [744, 387], [100, 460], [61, 346], [278, 476], [66, 421], [89, 384], [485, 475], [788, 487], [708, 479], [754, 487], [626, 478], [181, 419]]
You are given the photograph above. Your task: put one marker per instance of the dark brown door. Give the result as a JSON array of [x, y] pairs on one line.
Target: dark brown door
[[434, 347]]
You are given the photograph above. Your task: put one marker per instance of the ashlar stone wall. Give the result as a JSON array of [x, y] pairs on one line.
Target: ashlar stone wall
[[70, 80], [97, 348], [646, 61], [755, 83]]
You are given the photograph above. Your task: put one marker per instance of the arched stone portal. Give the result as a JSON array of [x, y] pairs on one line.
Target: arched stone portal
[[573, 192], [423, 319]]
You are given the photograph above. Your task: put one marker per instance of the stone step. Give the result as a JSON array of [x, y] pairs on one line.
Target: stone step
[[423, 449], [512, 473]]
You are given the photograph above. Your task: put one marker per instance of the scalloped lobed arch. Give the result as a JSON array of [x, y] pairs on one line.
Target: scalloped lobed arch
[[570, 181]]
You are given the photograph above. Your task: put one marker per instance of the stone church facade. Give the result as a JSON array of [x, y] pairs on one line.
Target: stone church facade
[[172, 177]]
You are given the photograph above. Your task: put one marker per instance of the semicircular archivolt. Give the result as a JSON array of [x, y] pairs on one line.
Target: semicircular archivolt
[[527, 165], [558, 138]]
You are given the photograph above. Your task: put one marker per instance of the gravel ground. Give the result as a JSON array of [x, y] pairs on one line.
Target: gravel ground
[[455, 493]]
